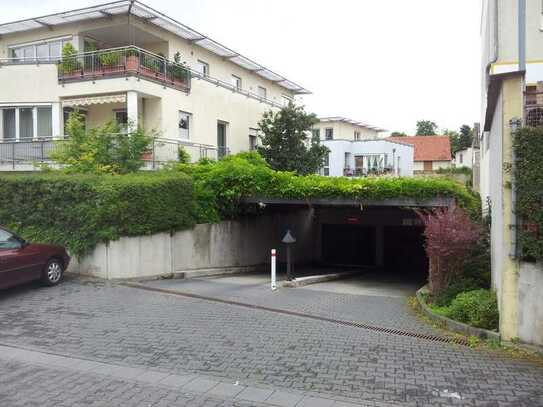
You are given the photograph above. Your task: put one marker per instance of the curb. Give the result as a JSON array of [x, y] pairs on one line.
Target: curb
[[451, 324], [302, 281]]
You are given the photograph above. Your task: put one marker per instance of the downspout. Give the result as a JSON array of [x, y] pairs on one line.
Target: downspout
[[515, 124], [131, 33]]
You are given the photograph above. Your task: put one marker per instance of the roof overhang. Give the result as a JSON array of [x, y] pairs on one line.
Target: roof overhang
[[350, 121], [152, 16]]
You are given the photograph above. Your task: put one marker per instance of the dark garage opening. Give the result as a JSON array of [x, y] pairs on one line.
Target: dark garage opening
[[352, 245]]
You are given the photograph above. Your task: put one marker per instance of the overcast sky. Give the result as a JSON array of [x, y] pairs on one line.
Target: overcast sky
[[384, 62]]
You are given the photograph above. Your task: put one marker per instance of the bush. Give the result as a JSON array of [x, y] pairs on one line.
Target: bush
[[80, 211], [478, 308], [248, 175], [105, 149]]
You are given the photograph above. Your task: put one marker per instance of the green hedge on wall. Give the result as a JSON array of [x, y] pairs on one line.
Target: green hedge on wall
[[528, 146], [230, 180], [79, 211]]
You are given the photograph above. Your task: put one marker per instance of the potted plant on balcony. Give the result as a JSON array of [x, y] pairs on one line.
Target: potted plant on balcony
[[110, 61], [179, 73], [132, 60], [69, 66]]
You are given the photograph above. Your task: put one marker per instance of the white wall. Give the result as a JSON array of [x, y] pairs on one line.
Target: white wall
[[530, 320], [345, 131], [208, 248], [338, 148], [464, 158]]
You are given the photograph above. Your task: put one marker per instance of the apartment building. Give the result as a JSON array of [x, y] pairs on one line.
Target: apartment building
[[357, 149], [512, 72], [134, 64]]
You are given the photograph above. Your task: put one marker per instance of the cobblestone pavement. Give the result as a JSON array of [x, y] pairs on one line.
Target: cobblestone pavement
[[120, 325], [382, 311]]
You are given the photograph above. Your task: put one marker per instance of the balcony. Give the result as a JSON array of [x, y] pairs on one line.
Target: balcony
[[27, 155], [123, 62], [364, 172]]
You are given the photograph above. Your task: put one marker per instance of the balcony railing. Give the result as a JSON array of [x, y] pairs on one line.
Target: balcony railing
[[28, 154], [124, 61], [363, 172], [533, 108]]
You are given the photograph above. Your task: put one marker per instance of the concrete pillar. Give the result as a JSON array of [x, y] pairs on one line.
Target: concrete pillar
[[132, 108], [17, 122], [380, 246], [56, 120], [34, 122], [1, 124]]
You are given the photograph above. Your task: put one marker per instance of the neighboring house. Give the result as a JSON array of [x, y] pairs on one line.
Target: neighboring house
[[431, 152], [341, 128], [125, 68], [356, 149], [353, 158], [464, 158], [512, 62]]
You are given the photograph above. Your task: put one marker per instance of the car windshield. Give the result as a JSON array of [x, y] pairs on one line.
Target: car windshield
[[8, 240]]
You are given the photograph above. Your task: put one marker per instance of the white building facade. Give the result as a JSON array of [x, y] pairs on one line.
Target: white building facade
[[357, 158], [131, 63], [464, 158]]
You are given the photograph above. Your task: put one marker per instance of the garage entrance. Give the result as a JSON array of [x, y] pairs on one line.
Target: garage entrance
[[352, 245]]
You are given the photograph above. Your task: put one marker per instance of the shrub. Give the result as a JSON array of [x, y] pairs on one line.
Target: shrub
[[478, 308], [528, 146], [80, 211], [105, 149], [450, 235], [182, 156], [69, 62]]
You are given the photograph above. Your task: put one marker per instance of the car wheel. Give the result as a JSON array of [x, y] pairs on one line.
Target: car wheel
[[53, 272]]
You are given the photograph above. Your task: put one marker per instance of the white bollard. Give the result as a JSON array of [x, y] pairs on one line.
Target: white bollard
[[273, 284]]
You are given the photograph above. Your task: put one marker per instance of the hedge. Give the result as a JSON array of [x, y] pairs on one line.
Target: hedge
[[245, 175], [80, 211], [528, 146]]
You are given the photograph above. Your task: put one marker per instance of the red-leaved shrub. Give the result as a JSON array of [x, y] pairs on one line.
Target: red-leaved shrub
[[450, 236]]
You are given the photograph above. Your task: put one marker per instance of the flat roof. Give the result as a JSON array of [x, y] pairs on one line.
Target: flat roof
[[350, 121], [152, 16]]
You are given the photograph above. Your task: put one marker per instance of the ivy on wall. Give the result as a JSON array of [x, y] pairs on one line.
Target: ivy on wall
[[528, 172]]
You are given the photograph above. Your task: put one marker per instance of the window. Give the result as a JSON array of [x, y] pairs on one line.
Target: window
[[316, 134], [184, 125], [357, 135], [326, 167], [262, 92], [26, 123], [121, 116], [42, 50], [8, 240], [286, 100], [461, 158], [236, 82], [45, 122], [222, 150], [329, 134], [8, 121], [203, 68]]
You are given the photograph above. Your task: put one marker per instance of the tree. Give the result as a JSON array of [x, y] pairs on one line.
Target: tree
[[460, 140], [106, 149], [426, 128], [398, 134], [285, 144]]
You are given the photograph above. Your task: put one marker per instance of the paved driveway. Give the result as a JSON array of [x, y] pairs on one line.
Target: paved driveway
[[132, 331]]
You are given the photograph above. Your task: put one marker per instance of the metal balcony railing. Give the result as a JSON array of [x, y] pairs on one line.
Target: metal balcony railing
[[27, 154], [533, 108], [363, 172], [124, 61]]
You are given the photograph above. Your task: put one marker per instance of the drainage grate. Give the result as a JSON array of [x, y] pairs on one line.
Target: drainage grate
[[390, 331]]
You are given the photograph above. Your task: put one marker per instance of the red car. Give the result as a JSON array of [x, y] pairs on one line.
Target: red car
[[21, 261]]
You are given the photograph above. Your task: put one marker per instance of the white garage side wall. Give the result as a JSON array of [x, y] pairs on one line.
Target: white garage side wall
[[242, 245], [530, 319], [338, 148]]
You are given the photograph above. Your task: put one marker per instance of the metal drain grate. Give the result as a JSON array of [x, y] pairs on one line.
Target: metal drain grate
[[390, 331]]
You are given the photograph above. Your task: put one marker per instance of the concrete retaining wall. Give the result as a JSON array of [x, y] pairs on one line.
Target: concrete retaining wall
[[240, 245], [530, 304]]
